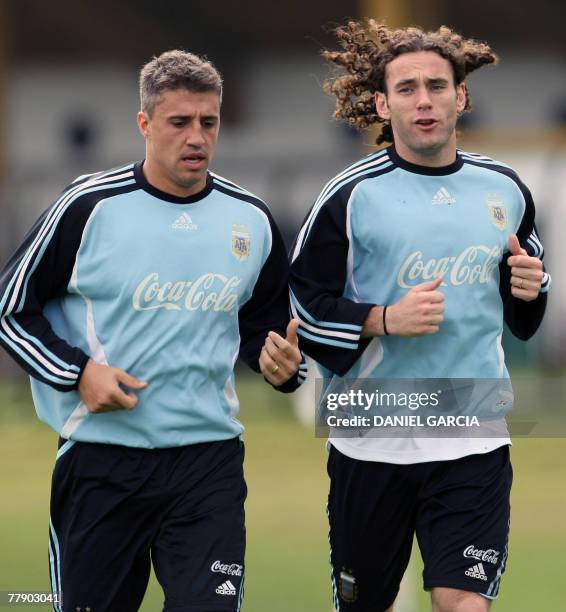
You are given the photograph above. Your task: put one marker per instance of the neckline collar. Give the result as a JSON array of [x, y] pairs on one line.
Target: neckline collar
[[427, 170], [169, 197]]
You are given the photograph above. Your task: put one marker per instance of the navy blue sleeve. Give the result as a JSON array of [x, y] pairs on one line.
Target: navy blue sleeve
[[524, 318], [330, 324], [267, 309], [37, 272]]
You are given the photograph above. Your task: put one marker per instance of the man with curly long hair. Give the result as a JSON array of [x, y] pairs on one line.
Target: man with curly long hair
[[405, 268]]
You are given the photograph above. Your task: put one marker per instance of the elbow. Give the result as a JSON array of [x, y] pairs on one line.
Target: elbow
[[525, 330]]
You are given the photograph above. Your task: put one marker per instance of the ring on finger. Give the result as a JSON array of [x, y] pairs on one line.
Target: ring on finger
[[521, 285], [275, 369]]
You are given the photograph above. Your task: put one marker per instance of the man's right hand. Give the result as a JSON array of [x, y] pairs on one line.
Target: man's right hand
[[418, 313], [100, 389]]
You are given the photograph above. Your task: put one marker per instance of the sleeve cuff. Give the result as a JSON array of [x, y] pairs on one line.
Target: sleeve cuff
[[83, 360], [546, 282]]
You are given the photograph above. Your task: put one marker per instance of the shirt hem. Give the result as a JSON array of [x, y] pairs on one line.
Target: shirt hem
[[484, 445]]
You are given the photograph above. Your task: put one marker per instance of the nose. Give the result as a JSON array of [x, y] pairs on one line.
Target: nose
[[195, 137], [424, 100]]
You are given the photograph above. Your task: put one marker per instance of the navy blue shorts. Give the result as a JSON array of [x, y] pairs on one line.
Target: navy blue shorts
[[115, 510], [459, 511]]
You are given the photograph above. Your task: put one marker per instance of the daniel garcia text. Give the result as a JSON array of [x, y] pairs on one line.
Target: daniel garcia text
[[409, 420]]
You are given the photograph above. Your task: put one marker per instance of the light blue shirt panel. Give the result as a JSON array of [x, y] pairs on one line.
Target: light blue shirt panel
[[184, 344], [400, 238]]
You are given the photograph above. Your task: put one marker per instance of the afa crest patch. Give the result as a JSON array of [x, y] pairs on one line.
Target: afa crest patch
[[240, 242], [497, 211], [347, 587]]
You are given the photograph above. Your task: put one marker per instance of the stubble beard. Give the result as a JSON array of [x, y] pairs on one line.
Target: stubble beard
[[188, 181]]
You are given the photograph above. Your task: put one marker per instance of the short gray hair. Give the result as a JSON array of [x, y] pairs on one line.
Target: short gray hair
[[176, 70]]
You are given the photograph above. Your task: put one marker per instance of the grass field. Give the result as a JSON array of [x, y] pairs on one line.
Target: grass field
[[287, 560]]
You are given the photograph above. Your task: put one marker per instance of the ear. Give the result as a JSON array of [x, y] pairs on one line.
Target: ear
[[461, 97], [143, 124], [381, 105]]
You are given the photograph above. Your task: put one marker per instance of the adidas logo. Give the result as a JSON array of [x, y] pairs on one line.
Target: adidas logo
[[477, 572], [184, 222], [442, 196], [227, 588]]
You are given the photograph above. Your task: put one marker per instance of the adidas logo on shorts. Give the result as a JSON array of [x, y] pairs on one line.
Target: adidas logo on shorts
[[227, 588], [476, 572]]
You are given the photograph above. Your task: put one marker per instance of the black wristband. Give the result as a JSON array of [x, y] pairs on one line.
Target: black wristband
[[385, 326]]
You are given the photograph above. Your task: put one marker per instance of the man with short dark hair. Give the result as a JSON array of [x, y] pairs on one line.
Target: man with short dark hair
[[128, 303], [405, 268]]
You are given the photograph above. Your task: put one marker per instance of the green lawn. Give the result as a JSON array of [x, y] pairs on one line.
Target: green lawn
[[287, 561]]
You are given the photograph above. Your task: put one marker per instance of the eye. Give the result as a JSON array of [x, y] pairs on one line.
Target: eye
[[178, 123], [405, 90], [209, 123]]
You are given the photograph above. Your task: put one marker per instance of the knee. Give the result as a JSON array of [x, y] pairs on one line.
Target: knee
[[455, 600]]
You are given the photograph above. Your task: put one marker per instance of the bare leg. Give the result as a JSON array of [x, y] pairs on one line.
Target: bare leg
[[455, 600]]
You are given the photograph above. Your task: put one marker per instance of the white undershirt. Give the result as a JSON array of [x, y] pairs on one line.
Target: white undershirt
[[419, 449]]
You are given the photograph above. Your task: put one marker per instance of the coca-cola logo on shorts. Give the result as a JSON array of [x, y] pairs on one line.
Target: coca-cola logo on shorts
[[230, 569], [489, 555]]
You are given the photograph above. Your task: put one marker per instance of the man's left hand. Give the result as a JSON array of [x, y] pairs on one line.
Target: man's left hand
[[280, 357], [526, 272]]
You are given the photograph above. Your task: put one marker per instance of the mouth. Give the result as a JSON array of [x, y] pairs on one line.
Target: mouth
[[426, 124], [194, 161]]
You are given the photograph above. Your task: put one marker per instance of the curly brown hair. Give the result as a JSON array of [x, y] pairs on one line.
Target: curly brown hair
[[370, 45]]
